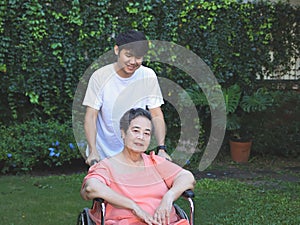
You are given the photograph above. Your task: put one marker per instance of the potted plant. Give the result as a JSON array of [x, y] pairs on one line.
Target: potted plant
[[238, 105]]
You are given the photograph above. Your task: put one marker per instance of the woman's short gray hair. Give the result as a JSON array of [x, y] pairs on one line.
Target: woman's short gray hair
[[132, 114]]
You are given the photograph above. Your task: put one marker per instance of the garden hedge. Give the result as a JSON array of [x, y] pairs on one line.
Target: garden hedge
[[47, 45]]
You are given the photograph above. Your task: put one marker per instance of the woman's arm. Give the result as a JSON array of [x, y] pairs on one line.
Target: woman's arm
[[94, 188], [183, 181]]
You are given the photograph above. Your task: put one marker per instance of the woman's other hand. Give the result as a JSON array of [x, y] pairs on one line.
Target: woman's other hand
[[144, 216], [162, 213]]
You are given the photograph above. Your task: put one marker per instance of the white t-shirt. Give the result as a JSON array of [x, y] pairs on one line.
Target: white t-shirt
[[113, 95]]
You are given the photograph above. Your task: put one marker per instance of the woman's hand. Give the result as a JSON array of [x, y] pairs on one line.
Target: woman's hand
[[144, 216], [162, 213]]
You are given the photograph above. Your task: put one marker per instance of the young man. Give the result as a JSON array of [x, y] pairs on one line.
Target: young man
[[115, 88]]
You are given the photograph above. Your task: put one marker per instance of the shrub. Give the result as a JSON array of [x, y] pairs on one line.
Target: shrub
[[277, 131], [34, 143]]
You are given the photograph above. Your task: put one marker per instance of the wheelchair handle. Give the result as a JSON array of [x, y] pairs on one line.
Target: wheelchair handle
[[188, 194], [93, 162]]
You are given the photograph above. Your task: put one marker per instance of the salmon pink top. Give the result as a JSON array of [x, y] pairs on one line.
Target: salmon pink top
[[146, 186]]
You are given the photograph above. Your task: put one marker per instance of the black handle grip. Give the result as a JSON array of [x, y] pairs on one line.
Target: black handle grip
[[100, 200], [93, 162], [188, 194]]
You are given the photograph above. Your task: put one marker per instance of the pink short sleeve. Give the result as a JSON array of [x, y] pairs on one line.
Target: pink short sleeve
[[167, 170], [99, 171]]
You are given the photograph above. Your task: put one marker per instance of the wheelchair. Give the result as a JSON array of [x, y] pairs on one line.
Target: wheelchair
[[84, 218]]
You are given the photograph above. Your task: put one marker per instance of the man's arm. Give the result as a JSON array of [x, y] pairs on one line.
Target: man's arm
[[159, 130], [90, 133]]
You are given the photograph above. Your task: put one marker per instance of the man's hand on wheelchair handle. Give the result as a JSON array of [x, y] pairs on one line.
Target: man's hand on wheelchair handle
[[164, 154], [92, 158]]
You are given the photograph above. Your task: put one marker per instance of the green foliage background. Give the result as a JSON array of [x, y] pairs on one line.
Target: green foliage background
[[32, 144], [45, 46]]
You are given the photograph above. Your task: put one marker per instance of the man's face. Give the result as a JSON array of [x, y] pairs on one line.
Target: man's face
[[127, 62]]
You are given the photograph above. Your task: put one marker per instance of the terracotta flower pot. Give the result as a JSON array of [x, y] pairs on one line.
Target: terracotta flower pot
[[240, 151]]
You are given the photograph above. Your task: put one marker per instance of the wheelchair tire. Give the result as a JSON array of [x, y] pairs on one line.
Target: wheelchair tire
[[84, 218]]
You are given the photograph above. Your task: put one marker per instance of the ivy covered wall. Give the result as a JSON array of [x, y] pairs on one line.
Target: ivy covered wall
[[45, 46]]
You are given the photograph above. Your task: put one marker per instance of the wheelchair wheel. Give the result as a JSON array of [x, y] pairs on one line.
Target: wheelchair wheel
[[84, 218]]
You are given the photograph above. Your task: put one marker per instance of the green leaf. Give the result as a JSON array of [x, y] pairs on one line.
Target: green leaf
[[257, 102], [232, 96]]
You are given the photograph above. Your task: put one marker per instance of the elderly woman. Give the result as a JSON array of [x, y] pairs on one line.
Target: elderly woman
[[138, 188]]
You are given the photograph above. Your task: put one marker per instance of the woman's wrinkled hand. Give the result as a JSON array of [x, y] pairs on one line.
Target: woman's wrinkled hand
[[162, 213], [144, 216]]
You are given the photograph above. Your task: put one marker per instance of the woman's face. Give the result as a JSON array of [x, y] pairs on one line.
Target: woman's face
[[138, 136], [127, 62]]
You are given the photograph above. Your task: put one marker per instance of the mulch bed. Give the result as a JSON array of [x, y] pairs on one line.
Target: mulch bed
[[75, 166]]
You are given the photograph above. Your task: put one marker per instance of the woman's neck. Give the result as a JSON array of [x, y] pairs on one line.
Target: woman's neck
[[132, 158]]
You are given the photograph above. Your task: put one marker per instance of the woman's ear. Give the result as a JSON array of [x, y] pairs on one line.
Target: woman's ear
[[116, 49]]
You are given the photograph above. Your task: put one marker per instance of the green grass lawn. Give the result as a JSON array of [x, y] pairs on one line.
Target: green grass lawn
[[40, 200], [55, 200]]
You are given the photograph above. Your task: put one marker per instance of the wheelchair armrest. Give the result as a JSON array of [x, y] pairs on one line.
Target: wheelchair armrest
[[99, 200], [188, 194]]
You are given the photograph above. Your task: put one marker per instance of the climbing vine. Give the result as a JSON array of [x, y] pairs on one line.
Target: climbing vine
[[45, 46]]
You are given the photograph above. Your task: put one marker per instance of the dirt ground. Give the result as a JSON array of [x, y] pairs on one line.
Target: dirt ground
[[258, 171]]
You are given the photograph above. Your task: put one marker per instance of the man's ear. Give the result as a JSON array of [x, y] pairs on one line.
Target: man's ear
[[122, 134], [116, 49]]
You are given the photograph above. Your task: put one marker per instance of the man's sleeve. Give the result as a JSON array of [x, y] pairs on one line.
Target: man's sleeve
[[92, 96]]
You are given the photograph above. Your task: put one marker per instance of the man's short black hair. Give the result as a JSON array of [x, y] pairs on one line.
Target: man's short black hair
[[134, 41]]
